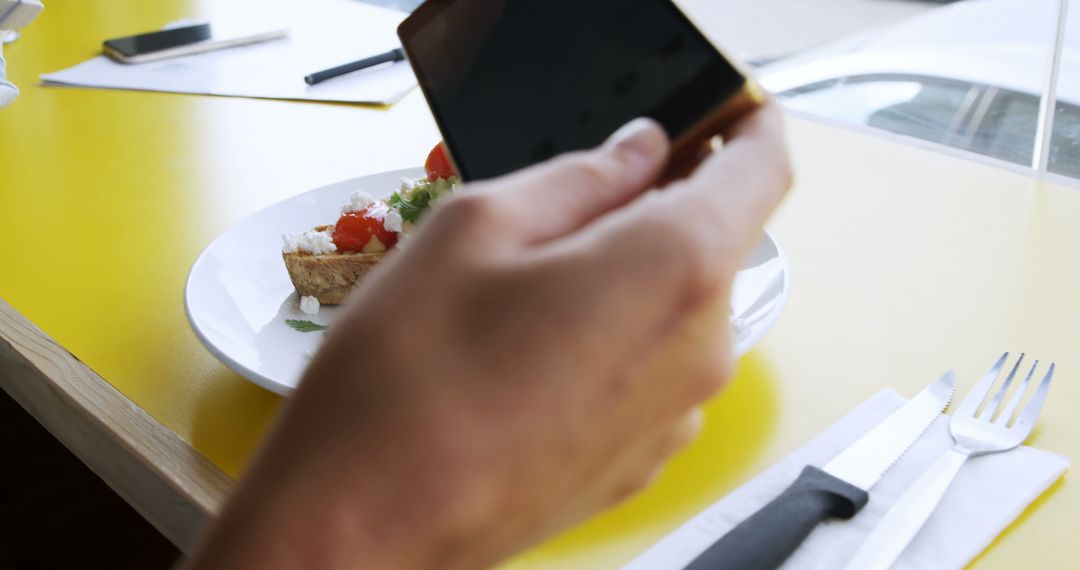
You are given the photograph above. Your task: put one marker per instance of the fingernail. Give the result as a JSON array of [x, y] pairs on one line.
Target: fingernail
[[642, 137]]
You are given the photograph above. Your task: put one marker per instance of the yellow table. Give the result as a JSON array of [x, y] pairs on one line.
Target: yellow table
[[906, 263]]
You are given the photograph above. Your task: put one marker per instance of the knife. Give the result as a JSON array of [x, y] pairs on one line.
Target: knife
[[839, 490]]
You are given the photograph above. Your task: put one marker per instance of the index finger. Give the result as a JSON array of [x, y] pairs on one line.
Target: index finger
[[688, 240], [743, 182]]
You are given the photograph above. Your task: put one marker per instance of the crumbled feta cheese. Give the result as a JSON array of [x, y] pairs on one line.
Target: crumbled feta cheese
[[312, 242], [410, 184], [358, 202], [309, 305], [393, 222]]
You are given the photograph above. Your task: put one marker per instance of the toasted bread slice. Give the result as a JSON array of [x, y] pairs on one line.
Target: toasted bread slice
[[329, 277]]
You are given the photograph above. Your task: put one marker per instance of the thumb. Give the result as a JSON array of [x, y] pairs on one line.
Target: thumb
[[558, 197]]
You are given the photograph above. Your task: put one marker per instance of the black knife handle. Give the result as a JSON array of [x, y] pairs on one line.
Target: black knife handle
[[769, 536]]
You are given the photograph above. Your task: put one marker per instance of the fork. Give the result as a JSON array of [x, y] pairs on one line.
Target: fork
[[976, 430]]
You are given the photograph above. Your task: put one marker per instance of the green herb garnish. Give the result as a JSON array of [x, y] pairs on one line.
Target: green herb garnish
[[411, 209], [305, 326]]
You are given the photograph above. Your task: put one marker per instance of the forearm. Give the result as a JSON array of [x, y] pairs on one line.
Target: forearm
[[326, 499]]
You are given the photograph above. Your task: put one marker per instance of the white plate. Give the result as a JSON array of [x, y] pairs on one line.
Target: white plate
[[239, 296]]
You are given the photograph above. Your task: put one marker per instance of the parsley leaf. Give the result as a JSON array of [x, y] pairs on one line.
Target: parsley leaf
[[305, 326], [411, 209]]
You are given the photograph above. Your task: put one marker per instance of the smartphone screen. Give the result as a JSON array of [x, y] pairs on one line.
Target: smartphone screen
[[514, 82], [156, 41]]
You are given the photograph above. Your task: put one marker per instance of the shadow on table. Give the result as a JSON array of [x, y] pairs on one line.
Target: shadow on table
[[737, 428]]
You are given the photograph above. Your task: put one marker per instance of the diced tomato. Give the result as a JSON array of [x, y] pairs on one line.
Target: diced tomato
[[438, 163], [354, 230]]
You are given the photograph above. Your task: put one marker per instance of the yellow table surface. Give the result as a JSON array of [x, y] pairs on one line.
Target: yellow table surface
[[906, 262]]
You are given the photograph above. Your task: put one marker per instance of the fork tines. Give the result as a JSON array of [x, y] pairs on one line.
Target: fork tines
[[992, 411]]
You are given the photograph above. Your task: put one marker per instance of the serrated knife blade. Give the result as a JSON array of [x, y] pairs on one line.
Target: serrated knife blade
[[839, 490], [864, 462]]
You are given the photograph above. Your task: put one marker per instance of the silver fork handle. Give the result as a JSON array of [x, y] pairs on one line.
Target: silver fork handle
[[908, 514]]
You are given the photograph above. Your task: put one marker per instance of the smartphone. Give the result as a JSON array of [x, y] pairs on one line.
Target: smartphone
[[176, 42], [515, 82]]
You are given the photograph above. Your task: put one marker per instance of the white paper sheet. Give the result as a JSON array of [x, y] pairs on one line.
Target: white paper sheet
[[329, 33]]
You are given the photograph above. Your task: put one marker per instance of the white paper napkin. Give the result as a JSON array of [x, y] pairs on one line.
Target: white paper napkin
[[8, 91], [987, 495], [323, 34]]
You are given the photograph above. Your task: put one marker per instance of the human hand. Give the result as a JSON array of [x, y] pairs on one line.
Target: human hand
[[534, 354]]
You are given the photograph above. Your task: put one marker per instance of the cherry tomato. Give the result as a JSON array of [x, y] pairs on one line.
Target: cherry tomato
[[354, 230], [438, 163]]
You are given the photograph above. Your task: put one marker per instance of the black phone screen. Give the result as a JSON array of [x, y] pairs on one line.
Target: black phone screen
[[157, 41], [514, 82]]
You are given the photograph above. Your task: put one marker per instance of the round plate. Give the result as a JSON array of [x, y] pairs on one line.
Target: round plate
[[239, 297]]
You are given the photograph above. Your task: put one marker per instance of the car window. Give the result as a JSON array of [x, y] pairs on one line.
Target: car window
[[848, 100], [931, 109], [1065, 138], [937, 112], [1008, 129], [988, 120], [1006, 126], [1065, 143]]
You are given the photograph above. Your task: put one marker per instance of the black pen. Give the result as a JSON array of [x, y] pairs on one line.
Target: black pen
[[396, 54]]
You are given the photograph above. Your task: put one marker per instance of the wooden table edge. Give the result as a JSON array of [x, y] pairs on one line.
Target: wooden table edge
[[161, 476]]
